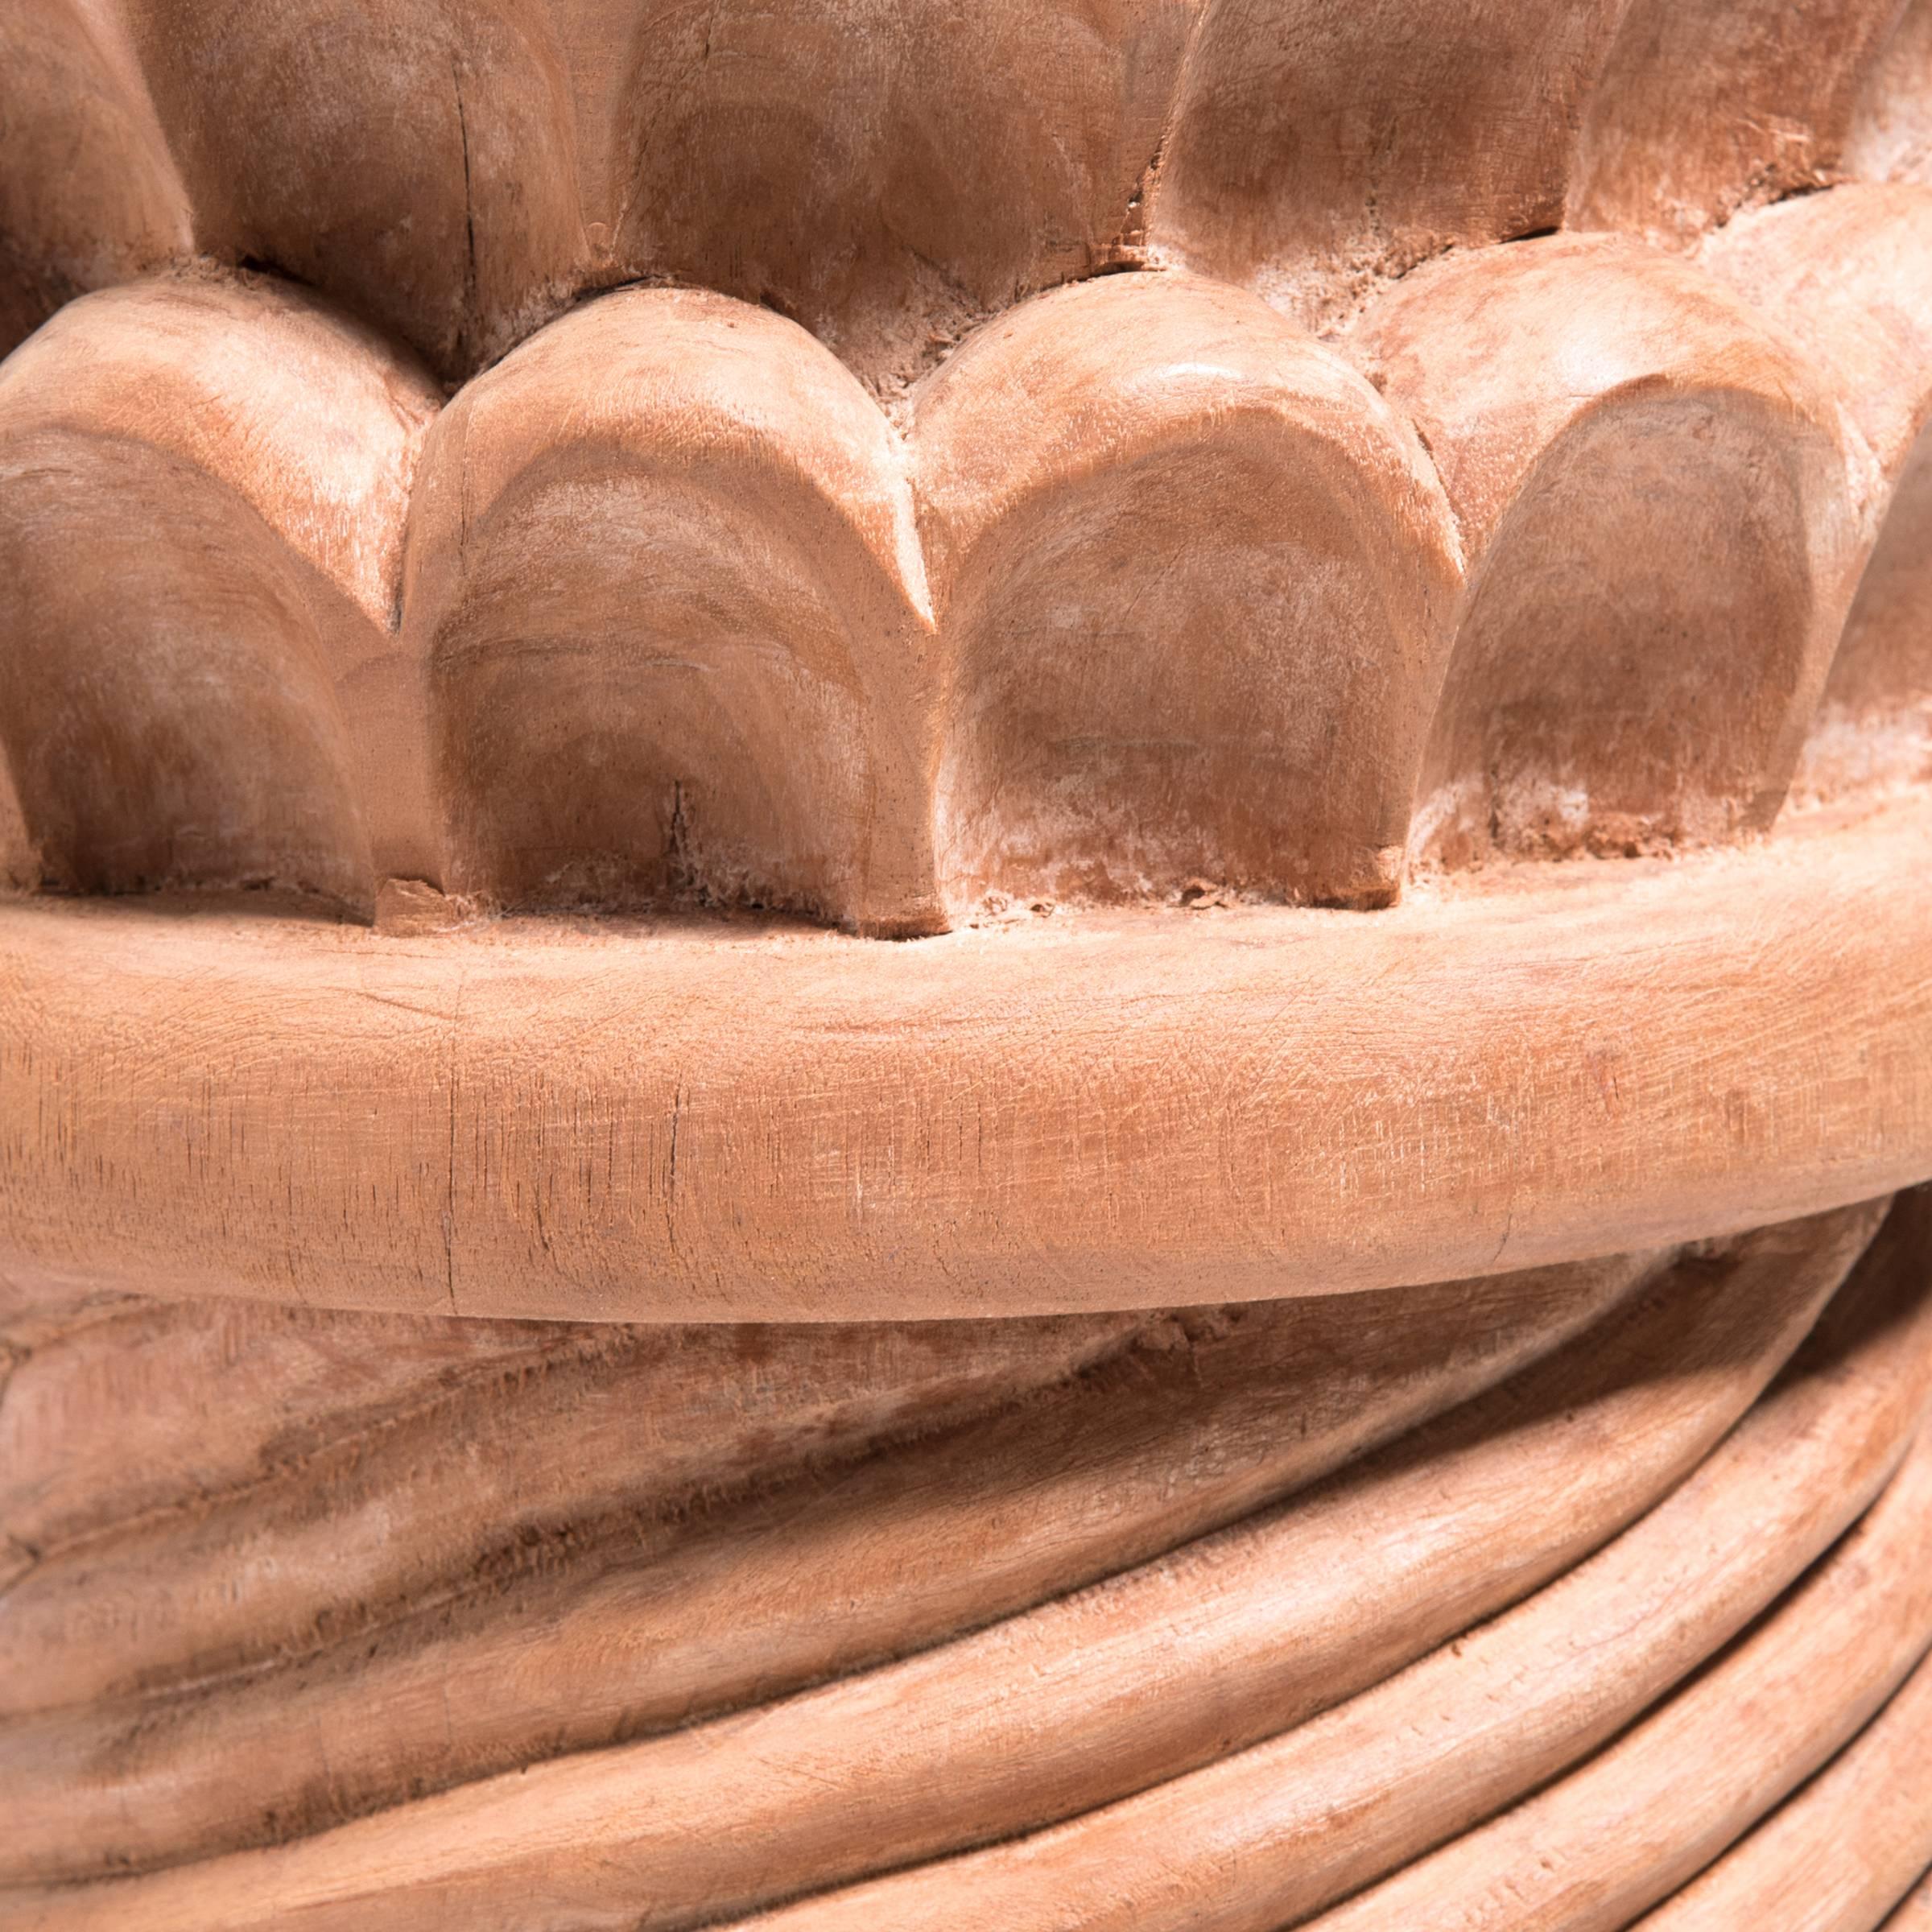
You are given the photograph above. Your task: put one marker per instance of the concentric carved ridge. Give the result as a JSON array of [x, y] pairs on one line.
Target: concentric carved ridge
[[725, 1642]]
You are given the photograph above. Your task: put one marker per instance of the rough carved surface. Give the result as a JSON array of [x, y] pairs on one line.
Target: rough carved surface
[[1363, 1378], [699, 1119], [1141, 590], [1004, 1625]]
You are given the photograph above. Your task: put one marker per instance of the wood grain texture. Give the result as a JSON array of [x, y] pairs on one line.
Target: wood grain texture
[[1332, 1340], [1840, 1852], [727, 1121], [20, 869], [1264, 1836], [1317, 151], [893, 177], [755, 732], [1856, 290], [1146, 596], [1915, 1912], [541, 1611], [1654, 1808], [202, 488], [894, 174], [1671, 469], [1425, 1603], [89, 195], [1701, 110], [669, 548], [1193, 581], [412, 159], [1891, 135]]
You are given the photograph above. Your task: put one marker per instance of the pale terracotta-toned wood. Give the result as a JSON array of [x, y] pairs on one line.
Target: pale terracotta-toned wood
[[892, 182], [650, 1609], [895, 173], [1635, 460], [1843, 1850], [1261, 1838], [1849, 276], [1915, 1913], [759, 731], [1891, 137], [873, 931], [1218, 1642], [1271, 177], [456, 173], [1253, 585], [565, 1450], [1654, 1807], [1701, 109], [1246, 568], [411, 159], [88, 195], [295, 1382], [19, 866], [1094, 1111], [201, 495]]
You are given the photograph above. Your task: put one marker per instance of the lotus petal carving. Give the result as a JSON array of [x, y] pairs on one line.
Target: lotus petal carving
[[1702, 110], [1146, 593], [1266, 181], [457, 172], [667, 589], [1891, 137], [1194, 579], [1849, 275], [89, 193], [412, 158], [1662, 517], [202, 488]]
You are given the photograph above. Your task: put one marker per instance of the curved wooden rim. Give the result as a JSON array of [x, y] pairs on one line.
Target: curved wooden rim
[[715, 1119]]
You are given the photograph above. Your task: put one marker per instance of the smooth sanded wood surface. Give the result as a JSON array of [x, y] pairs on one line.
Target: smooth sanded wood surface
[[705, 1120]]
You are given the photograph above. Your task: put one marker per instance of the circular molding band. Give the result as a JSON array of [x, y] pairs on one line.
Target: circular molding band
[[671, 1119]]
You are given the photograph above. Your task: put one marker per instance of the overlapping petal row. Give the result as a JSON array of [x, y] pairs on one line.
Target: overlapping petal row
[[886, 170], [1293, 559]]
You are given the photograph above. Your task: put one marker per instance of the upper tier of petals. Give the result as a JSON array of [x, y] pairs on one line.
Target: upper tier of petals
[[458, 170]]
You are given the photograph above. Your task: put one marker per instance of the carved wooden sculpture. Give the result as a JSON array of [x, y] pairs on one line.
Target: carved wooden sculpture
[[966, 969]]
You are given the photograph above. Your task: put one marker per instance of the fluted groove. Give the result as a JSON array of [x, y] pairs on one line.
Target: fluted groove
[[1842, 1850], [1914, 1913], [1618, 1513], [1686, 1781], [635, 1609], [1263, 1837]]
